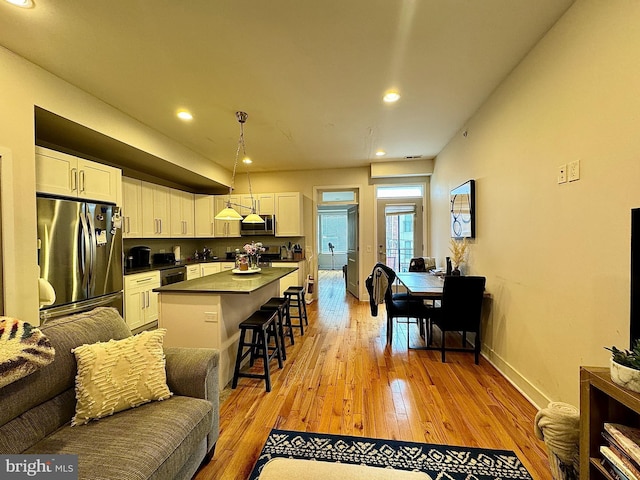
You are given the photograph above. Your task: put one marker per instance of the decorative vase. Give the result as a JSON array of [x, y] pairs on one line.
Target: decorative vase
[[626, 377], [244, 266], [456, 271]]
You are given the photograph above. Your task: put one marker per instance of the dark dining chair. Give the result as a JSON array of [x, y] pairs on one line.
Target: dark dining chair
[[460, 311], [396, 306]]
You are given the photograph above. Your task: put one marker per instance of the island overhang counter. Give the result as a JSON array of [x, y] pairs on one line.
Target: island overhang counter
[[205, 312]]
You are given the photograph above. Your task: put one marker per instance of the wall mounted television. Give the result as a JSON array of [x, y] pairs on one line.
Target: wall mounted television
[[463, 207]]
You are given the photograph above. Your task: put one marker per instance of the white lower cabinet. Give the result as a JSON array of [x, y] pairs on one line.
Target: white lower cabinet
[[140, 302], [294, 279], [227, 266], [209, 268], [193, 271]]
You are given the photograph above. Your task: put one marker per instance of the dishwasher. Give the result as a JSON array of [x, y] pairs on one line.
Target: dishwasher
[[173, 275]]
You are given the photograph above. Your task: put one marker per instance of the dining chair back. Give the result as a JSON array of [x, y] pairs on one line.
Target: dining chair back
[[460, 310], [417, 265]]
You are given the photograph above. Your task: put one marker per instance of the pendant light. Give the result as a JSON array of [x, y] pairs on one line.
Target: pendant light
[[229, 213]]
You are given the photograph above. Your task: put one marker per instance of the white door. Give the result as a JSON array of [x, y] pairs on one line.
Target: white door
[[353, 270], [399, 232]]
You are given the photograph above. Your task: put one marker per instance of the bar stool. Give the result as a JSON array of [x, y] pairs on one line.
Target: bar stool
[[299, 304], [262, 324], [281, 306]]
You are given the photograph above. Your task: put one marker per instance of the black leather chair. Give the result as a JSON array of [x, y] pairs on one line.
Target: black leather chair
[[460, 311]]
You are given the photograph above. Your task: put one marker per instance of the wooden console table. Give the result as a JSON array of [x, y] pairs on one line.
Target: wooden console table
[[601, 401]]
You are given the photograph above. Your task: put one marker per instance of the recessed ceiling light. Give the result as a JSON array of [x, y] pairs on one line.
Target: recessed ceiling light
[[247, 160], [380, 153], [21, 3], [184, 115], [391, 96]]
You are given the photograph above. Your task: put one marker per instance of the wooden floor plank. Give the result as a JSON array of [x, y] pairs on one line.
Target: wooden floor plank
[[342, 378]]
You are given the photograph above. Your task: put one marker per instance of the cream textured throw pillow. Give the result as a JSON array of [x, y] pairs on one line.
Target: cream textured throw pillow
[[119, 374]]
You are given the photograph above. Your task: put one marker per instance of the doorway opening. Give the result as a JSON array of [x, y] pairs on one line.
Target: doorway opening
[[400, 214], [337, 237]]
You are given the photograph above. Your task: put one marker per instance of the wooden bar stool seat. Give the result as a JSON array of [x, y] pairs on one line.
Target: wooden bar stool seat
[[263, 327], [281, 306], [297, 307]]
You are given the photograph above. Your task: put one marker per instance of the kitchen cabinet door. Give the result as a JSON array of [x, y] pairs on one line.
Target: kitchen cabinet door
[[98, 182], [294, 279], [182, 213], [224, 228], [65, 175], [227, 266], [204, 213], [140, 302], [264, 203], [131, 208], [209, 269], [288, 212], [193, 271], [155, 211]]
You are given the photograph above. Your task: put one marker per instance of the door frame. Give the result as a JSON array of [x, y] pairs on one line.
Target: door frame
[[426, 195], [314, 265]]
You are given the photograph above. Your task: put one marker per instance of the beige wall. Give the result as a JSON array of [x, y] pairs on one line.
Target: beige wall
[[556, 257], [24, 85]]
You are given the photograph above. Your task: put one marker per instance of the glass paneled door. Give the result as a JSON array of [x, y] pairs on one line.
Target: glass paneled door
[[399, 232]]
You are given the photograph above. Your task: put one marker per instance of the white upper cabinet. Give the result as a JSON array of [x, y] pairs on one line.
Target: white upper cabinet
[[155, 211], [204, 213], [182, 213], [60, 174], [226, 228], [288, 212], [264, 203], [131, 208]]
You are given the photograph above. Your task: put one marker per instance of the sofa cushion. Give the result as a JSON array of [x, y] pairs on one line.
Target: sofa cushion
[[23, 350], [99, 325], [166, 435], [119, 374]]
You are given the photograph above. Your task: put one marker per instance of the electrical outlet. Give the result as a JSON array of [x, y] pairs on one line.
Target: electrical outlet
[[574, 171], [211, 317], [562, 173]]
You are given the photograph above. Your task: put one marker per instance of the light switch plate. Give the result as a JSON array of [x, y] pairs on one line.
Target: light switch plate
[[562, 173], [574, 171]]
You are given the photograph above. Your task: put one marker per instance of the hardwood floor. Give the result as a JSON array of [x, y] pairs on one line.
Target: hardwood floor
[[341, 378]]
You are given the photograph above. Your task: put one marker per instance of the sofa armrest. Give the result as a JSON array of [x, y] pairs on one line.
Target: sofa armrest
[[193, 372]]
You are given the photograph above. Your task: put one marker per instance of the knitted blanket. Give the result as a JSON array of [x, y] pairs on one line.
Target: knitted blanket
[[23, 350]]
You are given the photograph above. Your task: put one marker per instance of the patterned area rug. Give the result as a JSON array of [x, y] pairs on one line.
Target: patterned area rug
[[441, 462]]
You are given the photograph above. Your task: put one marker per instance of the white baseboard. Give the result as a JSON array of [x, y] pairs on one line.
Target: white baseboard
[[520, 383]]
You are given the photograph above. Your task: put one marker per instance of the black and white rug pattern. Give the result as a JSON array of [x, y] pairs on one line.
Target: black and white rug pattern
[[441, 462]]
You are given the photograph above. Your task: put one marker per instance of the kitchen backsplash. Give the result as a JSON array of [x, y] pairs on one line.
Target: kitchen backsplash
[[218, 246]]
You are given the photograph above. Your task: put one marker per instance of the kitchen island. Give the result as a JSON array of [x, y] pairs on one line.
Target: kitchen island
[[205, 312]]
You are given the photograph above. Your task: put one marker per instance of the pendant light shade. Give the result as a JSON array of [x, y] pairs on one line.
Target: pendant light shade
[[229, 213], [253, 218]]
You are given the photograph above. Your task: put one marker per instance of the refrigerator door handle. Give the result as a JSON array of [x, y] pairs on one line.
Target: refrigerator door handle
[[85, 254], [94, 252]]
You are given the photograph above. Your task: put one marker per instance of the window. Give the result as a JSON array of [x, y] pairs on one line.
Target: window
[[400, 191], [332, 228]]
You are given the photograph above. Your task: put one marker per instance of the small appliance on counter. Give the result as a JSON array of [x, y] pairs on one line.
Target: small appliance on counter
[[140, 257], [164, 258]]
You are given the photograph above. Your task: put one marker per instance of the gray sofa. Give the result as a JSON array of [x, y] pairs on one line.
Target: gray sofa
[[166, 439]]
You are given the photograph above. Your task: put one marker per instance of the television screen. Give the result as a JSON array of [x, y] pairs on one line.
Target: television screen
[[462, 202]]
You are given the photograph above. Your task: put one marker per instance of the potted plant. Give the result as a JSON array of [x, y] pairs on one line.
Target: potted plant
[[625, 367], [458, 250]]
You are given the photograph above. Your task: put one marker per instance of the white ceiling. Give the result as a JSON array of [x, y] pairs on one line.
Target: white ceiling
[[311, 75]]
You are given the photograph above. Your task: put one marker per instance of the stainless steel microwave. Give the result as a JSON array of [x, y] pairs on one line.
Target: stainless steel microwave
[[266, 228]]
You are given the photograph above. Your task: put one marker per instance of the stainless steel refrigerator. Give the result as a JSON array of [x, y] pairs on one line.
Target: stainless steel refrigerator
[[80, 255]]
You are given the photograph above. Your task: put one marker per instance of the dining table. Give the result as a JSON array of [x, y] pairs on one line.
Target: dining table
[[422, 284]]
